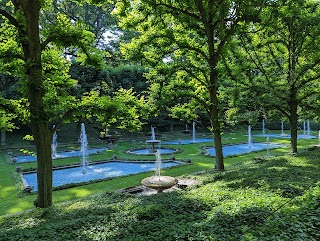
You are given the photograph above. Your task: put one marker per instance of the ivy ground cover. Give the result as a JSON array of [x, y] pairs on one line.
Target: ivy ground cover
[[261, 199]]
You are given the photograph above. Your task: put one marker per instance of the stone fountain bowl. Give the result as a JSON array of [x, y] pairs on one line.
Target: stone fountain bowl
[[159, 183]]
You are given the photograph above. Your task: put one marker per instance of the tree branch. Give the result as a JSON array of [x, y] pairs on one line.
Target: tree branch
[[8, 16], [183, 11]]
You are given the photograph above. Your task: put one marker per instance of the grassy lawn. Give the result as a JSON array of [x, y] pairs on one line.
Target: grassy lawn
[[13, 200], [256, 198]]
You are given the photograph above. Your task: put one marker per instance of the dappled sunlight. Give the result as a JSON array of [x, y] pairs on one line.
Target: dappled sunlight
[[78, 205], [205, 165], [21, 205], [82, 192], [6, 191], [71, 193], [278, 168]]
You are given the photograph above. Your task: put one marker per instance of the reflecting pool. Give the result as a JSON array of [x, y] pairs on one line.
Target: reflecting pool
[[285, 136], [98, 171], [186, 142], [30, 158], [242, 148]]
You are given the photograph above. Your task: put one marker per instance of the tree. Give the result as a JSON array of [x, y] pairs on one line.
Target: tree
[[284, 54], [123, 110], [193, 36], [27, 54]]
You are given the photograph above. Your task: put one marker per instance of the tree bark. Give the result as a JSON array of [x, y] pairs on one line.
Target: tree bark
[[294, 127], [215, 124], [30, 40], [3, 137]]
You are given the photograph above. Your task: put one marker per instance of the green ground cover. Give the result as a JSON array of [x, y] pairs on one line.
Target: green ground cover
[[258, 198], [13, 200]]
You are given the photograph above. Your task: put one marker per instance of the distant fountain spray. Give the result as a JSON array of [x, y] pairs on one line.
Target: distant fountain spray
[[263, 127], [54, 145], [249, 137], [153, 134], [193, 131], [304, 127], [282, 129], [308, 128], [84, 146], [268, 143], [319, 137]]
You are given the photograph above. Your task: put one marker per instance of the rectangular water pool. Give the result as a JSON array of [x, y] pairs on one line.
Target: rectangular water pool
[[95, 172]]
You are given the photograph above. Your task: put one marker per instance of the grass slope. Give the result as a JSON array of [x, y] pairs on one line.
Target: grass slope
[[261, 199]]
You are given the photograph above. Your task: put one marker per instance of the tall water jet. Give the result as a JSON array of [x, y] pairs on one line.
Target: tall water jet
[[54, 145], [308, 128], [249, 137], [83, 150], [153, 134], [319, 138], [263, 127], [268, 143], [158, 163], [304, 127], [282, 129], [157, 181], [153, 141], [193, 131]]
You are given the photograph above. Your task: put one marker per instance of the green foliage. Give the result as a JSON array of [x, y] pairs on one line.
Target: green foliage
[[6, 121], [280, 70], [124, 110], [108, 80]]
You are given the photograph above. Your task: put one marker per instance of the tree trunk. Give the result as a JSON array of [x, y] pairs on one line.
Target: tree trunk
[[294, 127], [30, 40], [215, 124], [3, 137]]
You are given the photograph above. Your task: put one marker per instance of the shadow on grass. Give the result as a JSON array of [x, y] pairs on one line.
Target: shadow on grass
[[168, 216], [287, 176]]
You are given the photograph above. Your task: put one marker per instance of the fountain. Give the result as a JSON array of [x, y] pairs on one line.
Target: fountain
[[263, 128], [157, 181], [84, 145], [306, 132], [186, 130], [101, 170], [54, 145], [319, 138], [268, 143], [153, 134], [193, 132], [282, 130], [249, 137], [153, 141], [188, 141], [152, 150]]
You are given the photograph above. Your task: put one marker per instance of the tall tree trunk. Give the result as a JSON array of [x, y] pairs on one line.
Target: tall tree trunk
[[3, 137], [30, 40], [294, 127], [215, 123]]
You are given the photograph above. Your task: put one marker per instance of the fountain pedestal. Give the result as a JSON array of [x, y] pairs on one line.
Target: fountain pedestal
[[159, 183], [153, 143]]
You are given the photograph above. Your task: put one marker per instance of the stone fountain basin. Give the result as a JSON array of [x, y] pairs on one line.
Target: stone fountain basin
[[159, 183]]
